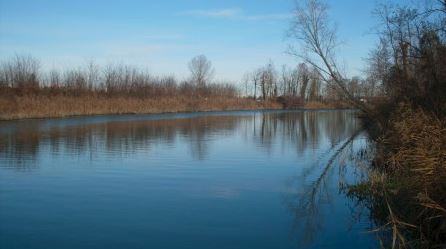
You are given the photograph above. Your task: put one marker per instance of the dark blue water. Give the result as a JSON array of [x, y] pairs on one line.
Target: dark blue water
[[218, 180]]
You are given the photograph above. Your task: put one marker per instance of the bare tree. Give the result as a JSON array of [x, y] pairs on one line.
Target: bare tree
[[294, 79], [201, 70], [54, 78], [271, 80], [311, 26], [267, 79], [21, 72], [289, 82], [256, 75], [379, 65], [315, 85], [246, 88], [304, 78], [264, 83], [93, 75]]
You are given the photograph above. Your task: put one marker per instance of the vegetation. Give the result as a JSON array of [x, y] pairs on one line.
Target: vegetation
[[411, 148], [405, 191], [303, 85], [26, 92]]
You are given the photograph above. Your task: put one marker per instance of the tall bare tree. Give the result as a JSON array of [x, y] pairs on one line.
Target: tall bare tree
[[315, 85], [379, 64], [246, 85], [304, 78], [201, 70], [316, 34]]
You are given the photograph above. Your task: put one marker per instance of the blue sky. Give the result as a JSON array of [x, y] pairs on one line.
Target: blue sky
[[162, 36]]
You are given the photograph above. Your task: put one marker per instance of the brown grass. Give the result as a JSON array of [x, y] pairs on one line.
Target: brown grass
[[410, 195], [38, 106], [313, 105], [415, 145]]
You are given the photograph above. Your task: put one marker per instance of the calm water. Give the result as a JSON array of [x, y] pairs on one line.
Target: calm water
[[218, 180]]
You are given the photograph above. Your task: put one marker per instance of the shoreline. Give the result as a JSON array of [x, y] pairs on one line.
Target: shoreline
[[171, 112], [15, 108], [38, 107], [148, 113]]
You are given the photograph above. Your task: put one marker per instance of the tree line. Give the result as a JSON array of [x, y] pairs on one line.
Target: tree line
[[22, 75], [304, 82]]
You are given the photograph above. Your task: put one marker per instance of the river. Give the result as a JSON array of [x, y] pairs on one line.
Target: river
[[248, 179]]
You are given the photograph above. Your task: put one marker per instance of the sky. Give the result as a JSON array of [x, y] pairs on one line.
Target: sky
[[163, 35]]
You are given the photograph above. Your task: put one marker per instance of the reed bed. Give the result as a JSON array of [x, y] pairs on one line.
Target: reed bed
[[406, 189], [35, 106]]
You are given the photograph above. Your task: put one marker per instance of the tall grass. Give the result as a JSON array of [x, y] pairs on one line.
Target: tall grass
[[406, 190], [38, 106]]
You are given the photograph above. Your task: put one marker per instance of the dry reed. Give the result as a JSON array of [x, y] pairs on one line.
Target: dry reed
[[39, 106]]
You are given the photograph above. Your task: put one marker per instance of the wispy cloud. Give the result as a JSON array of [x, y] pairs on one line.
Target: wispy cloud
[[230, 12], [236, 13]]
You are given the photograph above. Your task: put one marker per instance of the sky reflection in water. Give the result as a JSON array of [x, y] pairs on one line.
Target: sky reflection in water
[[217, 180]]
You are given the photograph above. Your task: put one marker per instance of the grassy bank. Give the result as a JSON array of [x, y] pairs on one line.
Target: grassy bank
[[316, 105], [37, 106], [49, 106], [406, 188], [28, 92]]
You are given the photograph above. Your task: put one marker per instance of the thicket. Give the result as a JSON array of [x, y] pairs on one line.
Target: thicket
[[406, 190]]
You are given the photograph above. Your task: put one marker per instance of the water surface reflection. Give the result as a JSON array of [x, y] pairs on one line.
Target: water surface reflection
[[302, 130], [240, 180]]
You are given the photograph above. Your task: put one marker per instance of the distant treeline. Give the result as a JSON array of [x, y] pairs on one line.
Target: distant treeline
[[26, 91], [304, 82], [22, 75]]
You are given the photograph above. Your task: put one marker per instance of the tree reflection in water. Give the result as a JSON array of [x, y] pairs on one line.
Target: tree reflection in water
[[333, 137], [345, 164], [302, 130]]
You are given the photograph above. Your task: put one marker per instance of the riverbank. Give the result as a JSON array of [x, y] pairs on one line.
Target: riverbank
[[41, 106], [22, 107], [406, 187]]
